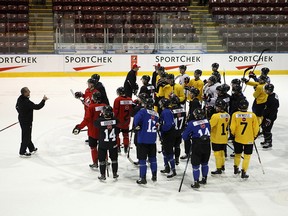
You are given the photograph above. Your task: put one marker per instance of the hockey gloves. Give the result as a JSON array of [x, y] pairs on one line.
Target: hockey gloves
[[78, 94], [76, 130], [244, 80]]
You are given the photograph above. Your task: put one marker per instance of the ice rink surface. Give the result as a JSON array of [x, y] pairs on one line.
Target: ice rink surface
[[57, 180]]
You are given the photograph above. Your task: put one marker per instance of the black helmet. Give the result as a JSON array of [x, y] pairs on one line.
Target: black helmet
[[224, 88], [175, 101], [120, 91], [220, 103], [149, 103], [96, 96], [265, 71], [199, 113], [198, 71], [92, 81], [237, 88], [217, 75], [243, 105], [142, 97], [213, 79], [96, 77], [236, 81], [170, 76], [161, 69], [263, 78], [164, 102], [183, 67], [146, 78], [215, 65], [195, 91], [269, 87], [108, 111]]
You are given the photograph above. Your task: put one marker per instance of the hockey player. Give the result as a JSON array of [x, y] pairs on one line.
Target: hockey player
[[222, 92], [155, 74], [183, 75], [197, 83], [269, 115], [215, 72], [145, 122], [122, 111], [219, 123], [108, 131], [92, 114], [179, 119], [244, 127], [199, 131], [167, 131], [210, 95], [193, 104], [130, 84], [260, 96], [147, 88], [99, 86], [264, 71]]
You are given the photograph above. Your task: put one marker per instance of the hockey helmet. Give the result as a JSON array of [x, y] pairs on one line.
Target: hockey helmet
[[96, 96], [92, 81], [174, 100], [183, 67], [146, 78], [198, 71], [263, 78], [236, 81], [164, 103], [269, 87], [213, 79], [237, 88], [108, 111], [243, 105], [215, 65], [223, 89], [120, 91], [170, 76], [195, 91], [265, 71], [220, 104], [199, 113], [149, 103], [96, 77], [142, 97]]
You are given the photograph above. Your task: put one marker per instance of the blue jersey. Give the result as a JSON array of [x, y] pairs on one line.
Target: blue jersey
[[196, 129], [166, 120], [147, 120]]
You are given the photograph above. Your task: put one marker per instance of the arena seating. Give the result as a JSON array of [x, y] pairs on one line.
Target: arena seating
[[14, 26], [135, 21], [252, 25]]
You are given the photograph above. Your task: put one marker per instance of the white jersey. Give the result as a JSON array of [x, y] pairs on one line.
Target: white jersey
[[181, 78], [211, 92]]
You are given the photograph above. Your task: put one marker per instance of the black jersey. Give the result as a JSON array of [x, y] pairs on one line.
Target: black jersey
[[179, 115], [148, 89], [107, 132]]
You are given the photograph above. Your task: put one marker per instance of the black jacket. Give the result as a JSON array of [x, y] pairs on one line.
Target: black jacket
[[25, 109], [271, 107], [130, 85], [104, 99]]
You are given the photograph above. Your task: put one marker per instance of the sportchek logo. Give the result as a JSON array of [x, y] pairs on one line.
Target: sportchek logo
[[3, 69]]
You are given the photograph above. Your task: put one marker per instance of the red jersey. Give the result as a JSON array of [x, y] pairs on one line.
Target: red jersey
[[88, 97], [92, 114], [122, 110]]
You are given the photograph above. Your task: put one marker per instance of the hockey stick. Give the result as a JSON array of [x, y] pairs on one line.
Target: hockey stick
[[264, 50], [259, 157], [224, 75], [161, 140], [72, 92], [9, 126], [129, 147], [233, 150], [249, 68], [184, 173]]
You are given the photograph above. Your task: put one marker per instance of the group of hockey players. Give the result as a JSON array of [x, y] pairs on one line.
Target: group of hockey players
[[201, 113]]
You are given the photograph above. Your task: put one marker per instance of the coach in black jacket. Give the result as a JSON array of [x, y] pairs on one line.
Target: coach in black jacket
[[130, 85], [25, 109]]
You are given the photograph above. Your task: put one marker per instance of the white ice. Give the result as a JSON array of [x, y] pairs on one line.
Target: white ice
[[58, 181]]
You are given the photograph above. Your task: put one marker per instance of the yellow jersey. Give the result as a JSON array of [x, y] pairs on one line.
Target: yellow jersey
[[199, 84], [219, 127], [259, 93], [167, 90], [244, 126]]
